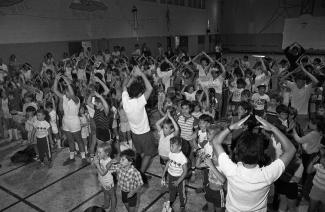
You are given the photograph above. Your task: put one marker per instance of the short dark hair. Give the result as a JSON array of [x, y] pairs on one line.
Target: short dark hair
[[134, 90], [206, 118], [169, 123], [241, 81], [282, 109], [129, 154], [250, 147], [246, 106], [30, 109], [176, 141], [185, 102], [49, 105]]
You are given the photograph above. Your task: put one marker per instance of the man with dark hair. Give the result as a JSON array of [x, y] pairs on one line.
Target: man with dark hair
[[134, 101]]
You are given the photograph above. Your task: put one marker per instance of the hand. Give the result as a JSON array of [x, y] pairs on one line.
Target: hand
[[163, 181], [168, 114], [265, 124], [136, 71], [208, 162], [96, 94], [239, 124], [175, 183], [130, 194], [96, 79]]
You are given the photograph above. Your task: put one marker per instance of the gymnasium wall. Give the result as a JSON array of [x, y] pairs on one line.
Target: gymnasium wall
[[257, 25], [34, 27]]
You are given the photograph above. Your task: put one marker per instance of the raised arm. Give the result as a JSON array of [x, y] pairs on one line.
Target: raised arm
[[176, 127], [73, 96], [102, 99], [160, 121], [287, 147], [106, 89], [312, 77], [55, 86], [138, 72]]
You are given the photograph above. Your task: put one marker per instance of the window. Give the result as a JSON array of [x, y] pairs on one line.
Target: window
[[150, 0], [199, 4]]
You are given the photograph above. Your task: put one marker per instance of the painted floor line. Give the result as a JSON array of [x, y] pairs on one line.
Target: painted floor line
[[154, 201], [85, 201], [14, 169], [26, 197], [20, 200]]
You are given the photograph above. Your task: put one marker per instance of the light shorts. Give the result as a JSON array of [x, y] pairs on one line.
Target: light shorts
[[125, 127], [85, 132], [317, 194], [71, 124], [55, 129]]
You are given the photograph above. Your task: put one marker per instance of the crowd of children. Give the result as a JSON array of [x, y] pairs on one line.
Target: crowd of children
[[252, 126]]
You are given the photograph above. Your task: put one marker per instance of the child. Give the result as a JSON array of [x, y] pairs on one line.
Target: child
[[129, 178], [186, 124], [29, 124], [197, 110], [124, 126], [215, 194], [102, 161], [50, 107], [203, 148], [177, 171], [236, 93], [260, 100], [169, 130], [85, 126], [317, 194], [43, 134]]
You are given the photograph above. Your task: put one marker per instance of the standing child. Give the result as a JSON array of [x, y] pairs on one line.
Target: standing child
[[317, 194], [85, 126], [105, 177], [260, 99], [124, 126], [204, 122], [177, 171], [43, 134], [50, 107], [129, 179], [168, 130]]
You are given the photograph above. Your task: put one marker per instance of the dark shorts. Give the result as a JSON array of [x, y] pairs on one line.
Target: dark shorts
[[217, 197], [290, 190], [144, 143], [132, 202], [163, 161]]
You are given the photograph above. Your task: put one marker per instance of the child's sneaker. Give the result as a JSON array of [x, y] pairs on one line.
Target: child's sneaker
[[36, 157]]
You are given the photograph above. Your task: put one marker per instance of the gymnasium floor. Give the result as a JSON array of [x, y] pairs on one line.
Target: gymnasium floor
[[70, 188], [24, 188]]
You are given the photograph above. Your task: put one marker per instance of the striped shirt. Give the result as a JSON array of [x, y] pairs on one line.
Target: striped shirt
[[187, 125], [319, 179], [103, 124]]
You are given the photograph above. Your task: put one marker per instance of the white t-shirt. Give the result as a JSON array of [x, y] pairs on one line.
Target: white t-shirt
[[165, 77], [260, 101], [248, 188], [164, 143], [41, 128], [3, 71], [261, 79], [300, 97], [190, 96], [176, 162], [236, 94], [107, 180], [136, 112]]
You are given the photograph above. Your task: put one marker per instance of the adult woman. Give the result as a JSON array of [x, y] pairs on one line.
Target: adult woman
[[70, 122]]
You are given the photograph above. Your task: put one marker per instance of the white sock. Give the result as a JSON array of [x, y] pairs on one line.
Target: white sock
[[71, 155], [86, 150], [76, 146], [83, 155]]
